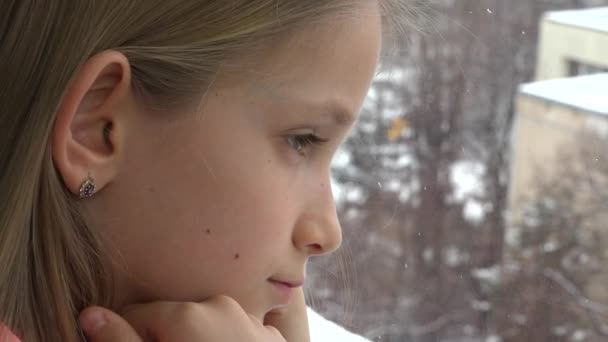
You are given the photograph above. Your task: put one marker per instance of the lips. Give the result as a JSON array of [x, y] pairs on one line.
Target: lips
[[290, 284]]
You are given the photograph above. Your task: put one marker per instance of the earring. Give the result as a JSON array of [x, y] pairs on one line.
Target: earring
[[87, 188]]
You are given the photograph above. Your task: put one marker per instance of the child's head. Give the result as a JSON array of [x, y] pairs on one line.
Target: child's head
[[208, 128]]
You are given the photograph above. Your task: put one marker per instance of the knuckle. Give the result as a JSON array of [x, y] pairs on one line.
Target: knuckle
[[227, 303], [188, 314], [225, 300]]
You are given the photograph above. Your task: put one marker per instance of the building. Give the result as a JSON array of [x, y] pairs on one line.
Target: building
[[569, 96], [573, 43], [552, 115], [562, 108]]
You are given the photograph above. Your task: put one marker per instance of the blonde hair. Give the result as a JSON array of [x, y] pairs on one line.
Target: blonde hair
[[51, 263]]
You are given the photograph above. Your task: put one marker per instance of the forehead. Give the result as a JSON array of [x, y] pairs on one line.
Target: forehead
[[322, 43], [327, 63]]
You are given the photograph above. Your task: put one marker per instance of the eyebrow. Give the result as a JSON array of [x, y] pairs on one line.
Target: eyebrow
[[331, 110], [334, 112]]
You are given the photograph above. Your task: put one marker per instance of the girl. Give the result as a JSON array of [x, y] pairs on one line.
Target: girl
[[165, 163]]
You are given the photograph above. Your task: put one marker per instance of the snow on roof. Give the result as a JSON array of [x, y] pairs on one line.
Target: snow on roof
[[588, 92], [592, 18]]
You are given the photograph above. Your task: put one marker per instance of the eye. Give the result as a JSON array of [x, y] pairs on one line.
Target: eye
[[300, 142]]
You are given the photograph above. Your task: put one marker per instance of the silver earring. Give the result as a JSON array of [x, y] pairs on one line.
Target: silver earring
[[87, 188]]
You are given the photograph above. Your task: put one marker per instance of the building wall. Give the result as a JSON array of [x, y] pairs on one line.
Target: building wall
[[561, 43], [541, 129]]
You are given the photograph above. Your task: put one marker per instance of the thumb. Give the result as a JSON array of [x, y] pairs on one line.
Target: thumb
[[102, 325]]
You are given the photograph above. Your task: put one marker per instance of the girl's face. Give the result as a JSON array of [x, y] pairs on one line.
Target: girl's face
[[238, 195]]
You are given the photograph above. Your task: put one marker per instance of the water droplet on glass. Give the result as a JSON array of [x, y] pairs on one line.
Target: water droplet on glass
[[489, 11], [379, 185]]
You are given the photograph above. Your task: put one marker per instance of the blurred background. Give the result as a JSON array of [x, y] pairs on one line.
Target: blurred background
[[473, 192]]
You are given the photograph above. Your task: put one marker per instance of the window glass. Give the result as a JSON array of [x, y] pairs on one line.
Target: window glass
[[473, 192]]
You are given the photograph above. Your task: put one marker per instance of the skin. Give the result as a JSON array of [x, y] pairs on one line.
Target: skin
[[226, 197]]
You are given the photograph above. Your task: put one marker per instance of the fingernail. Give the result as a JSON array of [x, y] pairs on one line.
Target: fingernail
[[92, 321]]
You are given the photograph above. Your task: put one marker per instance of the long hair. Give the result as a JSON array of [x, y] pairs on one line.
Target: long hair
[[52, 265]]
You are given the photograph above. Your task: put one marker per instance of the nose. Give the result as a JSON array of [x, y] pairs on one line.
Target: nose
[[318, 229]]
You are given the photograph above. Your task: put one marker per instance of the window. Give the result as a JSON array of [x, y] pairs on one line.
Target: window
[[577, 68], [437, 250]]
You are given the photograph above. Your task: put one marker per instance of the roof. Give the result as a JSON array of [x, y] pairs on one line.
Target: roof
[[588, 93], [595, 18]]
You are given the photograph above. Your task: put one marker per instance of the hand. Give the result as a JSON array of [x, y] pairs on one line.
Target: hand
[[291, 321], [217, 319]]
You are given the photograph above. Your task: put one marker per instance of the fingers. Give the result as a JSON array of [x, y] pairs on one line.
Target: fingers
[[102, 325], [217, 319], [291, 321], [175, 320], [273, 334], [270, 331]]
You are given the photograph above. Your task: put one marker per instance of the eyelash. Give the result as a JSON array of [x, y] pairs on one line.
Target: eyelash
[[304, 140]]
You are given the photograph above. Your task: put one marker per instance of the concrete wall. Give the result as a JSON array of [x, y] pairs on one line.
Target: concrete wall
[[541, 130], [560, 43]]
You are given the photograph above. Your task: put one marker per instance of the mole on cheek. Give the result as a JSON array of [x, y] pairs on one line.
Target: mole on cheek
[[236, 256], [208, 231]]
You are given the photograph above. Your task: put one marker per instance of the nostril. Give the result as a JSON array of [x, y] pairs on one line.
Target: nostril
[[315, 248]]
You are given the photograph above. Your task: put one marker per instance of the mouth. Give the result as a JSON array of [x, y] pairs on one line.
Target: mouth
[[289, 284], [284, 289]]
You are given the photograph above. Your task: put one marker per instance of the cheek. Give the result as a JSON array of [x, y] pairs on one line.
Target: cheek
[[259, 214]]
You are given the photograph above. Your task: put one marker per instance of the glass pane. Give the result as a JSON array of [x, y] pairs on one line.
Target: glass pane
[[473, 191]]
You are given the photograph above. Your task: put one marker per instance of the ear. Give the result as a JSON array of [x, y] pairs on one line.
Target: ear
[[87, 135]]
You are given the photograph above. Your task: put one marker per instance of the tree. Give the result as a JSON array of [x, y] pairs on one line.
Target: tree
[[422, 269]]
